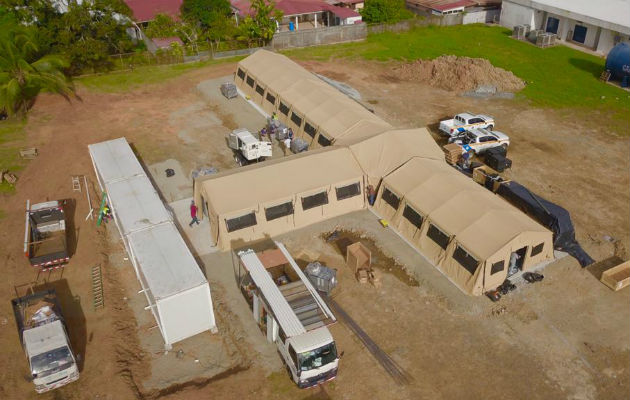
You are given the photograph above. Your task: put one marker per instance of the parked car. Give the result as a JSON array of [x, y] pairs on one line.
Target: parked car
[[464, 122], [480, 140]]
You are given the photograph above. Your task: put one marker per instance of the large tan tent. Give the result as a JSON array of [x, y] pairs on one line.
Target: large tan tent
[[313, 109], [274, 197], [469, 233], [462, 228]]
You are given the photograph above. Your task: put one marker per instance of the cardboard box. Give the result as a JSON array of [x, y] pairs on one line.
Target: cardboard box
[[358, 256]]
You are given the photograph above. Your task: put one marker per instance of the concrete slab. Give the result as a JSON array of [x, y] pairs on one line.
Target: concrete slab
[[196, 236], [173, 188]]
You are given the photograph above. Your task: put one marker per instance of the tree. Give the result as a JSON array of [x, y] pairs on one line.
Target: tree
[[206, 13], [263, 24], [23, 74], [162, 26], [385, 11]]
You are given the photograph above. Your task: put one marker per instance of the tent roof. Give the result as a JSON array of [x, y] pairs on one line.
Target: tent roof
[[234, 191], [382, 154], [165, 261]]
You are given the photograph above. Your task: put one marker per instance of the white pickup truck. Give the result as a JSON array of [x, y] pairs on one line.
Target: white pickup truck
[[464, 122], [248, 148], [480, 140]]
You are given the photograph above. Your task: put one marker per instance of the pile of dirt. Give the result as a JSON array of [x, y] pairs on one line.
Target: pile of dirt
[[459, 74]]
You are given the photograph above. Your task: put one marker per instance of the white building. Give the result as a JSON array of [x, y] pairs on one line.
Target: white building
[[596, 25]]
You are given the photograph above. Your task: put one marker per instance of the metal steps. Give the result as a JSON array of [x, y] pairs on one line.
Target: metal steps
[[98, 301], [76, 183]]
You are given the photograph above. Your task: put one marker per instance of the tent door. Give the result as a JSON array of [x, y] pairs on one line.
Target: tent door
[[517, 259]]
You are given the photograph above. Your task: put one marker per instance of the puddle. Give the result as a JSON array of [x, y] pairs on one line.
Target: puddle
[[342, 239]]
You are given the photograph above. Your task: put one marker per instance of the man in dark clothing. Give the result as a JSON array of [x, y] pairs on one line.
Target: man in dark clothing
[[193, 214]]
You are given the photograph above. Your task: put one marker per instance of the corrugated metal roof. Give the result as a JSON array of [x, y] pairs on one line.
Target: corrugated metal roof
[[165, 261], [306, 282], [115, 160], [288, 321]]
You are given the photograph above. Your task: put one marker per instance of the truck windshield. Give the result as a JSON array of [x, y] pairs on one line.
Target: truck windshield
[[53, 361], [318, 357]]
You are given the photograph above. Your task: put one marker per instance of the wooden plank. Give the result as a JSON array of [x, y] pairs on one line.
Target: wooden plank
[[617, 277]]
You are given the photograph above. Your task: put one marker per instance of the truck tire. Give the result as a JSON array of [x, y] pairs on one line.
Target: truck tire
[[490, 127], [505, 147]]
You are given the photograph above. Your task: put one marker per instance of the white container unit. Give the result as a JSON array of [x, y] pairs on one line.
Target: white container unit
[[176, 290]]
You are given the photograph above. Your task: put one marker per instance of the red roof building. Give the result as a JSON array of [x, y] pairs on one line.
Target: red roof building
[[146, 10]]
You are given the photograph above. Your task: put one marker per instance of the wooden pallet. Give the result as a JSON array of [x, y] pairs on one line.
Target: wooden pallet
[[605, 76], [452, 153], [617, 277]]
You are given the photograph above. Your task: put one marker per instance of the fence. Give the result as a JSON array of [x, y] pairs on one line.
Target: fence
[[319, 36], [402, 26]]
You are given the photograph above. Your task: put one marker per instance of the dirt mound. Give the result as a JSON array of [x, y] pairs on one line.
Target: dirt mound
[[459, 74]]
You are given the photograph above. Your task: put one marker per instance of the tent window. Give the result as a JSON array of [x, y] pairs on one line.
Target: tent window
[[297, 120], [278, 211], [250, 81], [323, 141], [241, 74], [497, 267], [315, 200], [412, 216], [536, 250], [438, 236], [345, 192], [271, 98], [244, 221], [260, 90], [309, 129], [391, 199], [465, 260], [284, 109]]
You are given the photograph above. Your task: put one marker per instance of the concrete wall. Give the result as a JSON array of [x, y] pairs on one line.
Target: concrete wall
[[320, 36], [446, 20], [481, 16], [513, 14]]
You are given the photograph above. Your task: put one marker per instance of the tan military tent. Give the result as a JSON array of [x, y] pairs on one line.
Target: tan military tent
[[274, 197], [314, 110], [463, 229]]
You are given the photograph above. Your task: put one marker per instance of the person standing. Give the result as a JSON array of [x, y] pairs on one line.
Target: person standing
[[193, 214]]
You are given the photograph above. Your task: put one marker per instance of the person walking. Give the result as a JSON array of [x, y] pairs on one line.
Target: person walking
[[193, 214]]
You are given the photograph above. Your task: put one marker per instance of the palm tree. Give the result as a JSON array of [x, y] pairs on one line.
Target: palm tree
[[23, 75]]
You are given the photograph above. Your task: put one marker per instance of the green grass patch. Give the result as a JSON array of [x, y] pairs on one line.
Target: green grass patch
[[11, 140], [129, 80], [557, 77]]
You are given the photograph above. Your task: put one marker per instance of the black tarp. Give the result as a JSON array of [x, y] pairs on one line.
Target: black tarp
[[549, 214]]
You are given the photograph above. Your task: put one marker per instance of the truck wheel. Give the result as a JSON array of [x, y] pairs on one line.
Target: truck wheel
[[490, 127], [505, 146]]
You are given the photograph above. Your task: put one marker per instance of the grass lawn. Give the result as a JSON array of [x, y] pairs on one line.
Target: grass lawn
[[11, 140], [557, 77], [129, 80]]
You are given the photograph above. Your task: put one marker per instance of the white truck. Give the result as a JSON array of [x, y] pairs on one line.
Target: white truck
[[248, 148], [291, 312], [45, 341], [464, 122], [480, 140]]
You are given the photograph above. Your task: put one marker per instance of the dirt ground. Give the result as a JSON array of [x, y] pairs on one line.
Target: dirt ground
[[566, 338]]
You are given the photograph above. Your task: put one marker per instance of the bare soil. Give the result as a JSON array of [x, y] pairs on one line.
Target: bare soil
[[566, 338]]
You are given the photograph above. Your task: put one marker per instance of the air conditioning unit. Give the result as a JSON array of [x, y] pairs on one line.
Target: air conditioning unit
[[545, 39], [519, 32], [533, 35]]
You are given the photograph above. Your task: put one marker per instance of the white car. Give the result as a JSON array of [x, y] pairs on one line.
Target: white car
[[480, 140], [464, 122]]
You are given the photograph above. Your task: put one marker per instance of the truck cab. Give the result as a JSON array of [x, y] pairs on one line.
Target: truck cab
[[291, 313], [311, 358], [45, 340]]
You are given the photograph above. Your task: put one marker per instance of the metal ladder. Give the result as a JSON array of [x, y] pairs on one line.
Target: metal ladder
[[76, 183], [98, 300]]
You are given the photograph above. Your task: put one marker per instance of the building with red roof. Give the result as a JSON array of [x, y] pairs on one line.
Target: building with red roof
[[475, 10], [146, 10], [304, 14]]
